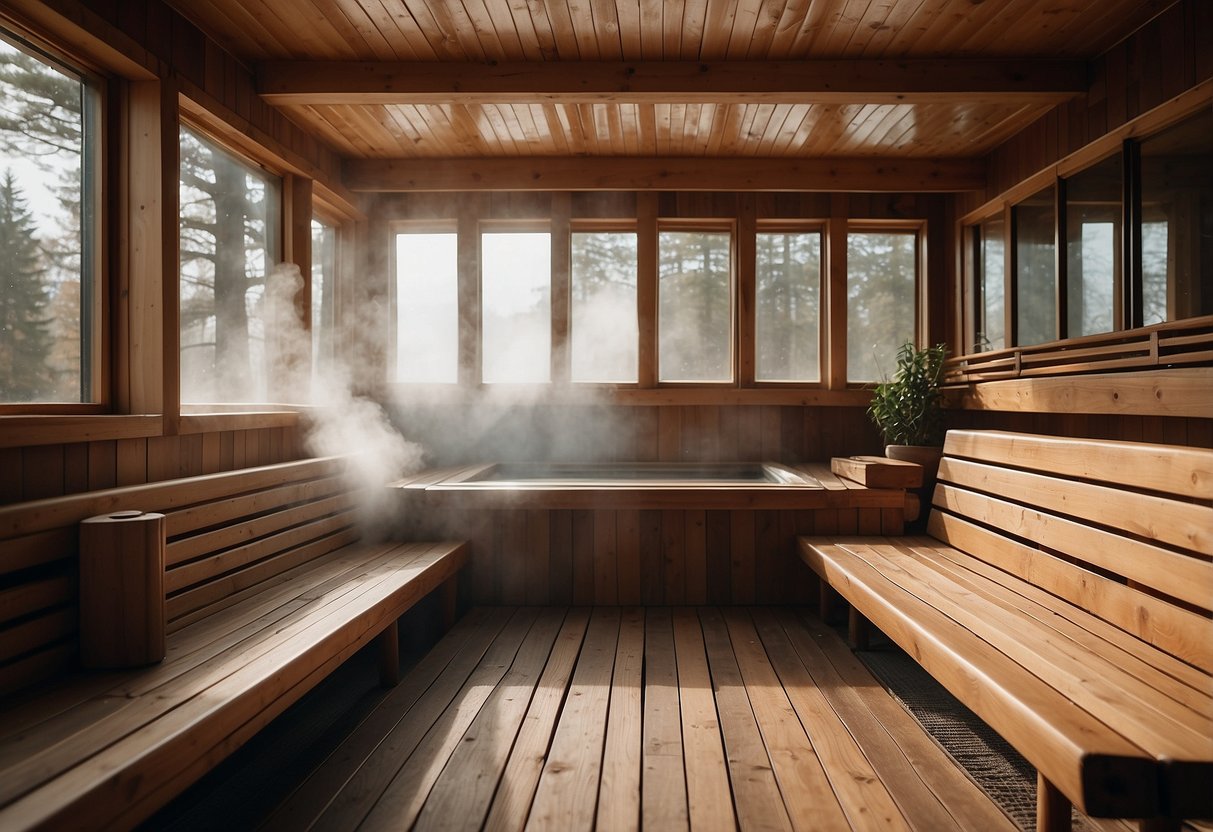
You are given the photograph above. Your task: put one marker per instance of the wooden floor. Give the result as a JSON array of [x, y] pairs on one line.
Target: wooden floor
[[661, 718]]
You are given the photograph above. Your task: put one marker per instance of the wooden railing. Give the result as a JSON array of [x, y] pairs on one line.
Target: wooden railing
[[1185, 343]]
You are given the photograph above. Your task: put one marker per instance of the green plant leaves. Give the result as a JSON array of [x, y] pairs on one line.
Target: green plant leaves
[[908, 409]]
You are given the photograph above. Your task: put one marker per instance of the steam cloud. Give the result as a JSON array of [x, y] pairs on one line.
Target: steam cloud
[[342, 421]]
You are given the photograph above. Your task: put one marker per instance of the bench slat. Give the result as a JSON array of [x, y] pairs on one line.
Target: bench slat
[[239, 694], [1097, 769], [1186, 525], [191, 519], [1186, 472], [1157, 724], [1172, 573], [1178, 631]]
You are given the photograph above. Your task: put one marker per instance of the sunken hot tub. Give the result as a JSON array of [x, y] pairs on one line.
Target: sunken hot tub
[[640, 532]]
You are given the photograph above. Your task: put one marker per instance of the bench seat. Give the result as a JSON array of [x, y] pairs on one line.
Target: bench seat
[[1061, 607], [113, 747]]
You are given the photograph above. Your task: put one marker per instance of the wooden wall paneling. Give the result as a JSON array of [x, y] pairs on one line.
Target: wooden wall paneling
[[211, 443], [102, 464], [627, 531], [227, 449], [742, 557], [163, 458], [772, 433], [749, 433], [645, 434], [805, 580], [583, 556], [768, 572], [131, 461], [538, 556], [483, 580], [669, 433], [75, 467], [560, 560], [512, 556], [789, 563], [792, 446], [239, 448], [652, 557], [713, 582], [12, 470], [727, 433], [42, 466], [606, 558], [695, 556]]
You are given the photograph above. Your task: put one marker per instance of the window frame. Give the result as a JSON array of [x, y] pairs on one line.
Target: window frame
[[729, 226], [916, 227], [187, 120], [410, 226], [792, 226], [99, 171], [598, 226]]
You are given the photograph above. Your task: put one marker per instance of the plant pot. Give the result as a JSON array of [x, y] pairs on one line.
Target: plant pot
[[927, 456]]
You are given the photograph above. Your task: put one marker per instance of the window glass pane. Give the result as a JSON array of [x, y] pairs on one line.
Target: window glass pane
[[694, 308], [991, 327], [324, 273], [1093, 217], [427, 308], [1177, 221], [604, 330], [1036, 269], [788, 280], [516, 306], [882, 272], [46, 281], [229, 240]]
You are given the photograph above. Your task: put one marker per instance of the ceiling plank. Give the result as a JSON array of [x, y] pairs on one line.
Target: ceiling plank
[[769, 82], [674, 174]]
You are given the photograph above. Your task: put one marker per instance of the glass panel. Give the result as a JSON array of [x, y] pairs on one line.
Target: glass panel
[[1093, 218], [991, 328], [324, 273], [695, 306], [427, 308], [786, 309], [1036, 268], [882, 273], [516, 306], [604, 330], [1177, 221], [229, 239], [46, 133]]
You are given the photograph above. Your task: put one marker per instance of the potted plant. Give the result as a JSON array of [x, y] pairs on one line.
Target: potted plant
[[908, 408]]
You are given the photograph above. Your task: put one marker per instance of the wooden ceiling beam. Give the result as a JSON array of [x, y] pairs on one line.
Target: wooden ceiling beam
[[301, 83], [617, 173]]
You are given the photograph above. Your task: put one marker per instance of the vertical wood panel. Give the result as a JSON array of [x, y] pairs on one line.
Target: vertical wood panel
[[627, 530], [741, 542], [714, 583], [652, 571], [538, 556], [75, 468], [583, 557], [102, 464], [606, 558], [560, 541], [43, 469], [694, 553], [12, 469]]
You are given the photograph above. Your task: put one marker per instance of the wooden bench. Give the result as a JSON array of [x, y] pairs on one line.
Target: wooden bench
[[1064, 595], [268, 589]]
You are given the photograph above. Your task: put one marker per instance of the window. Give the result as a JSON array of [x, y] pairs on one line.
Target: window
[[882, 278], [427, 307], [324, 274], [695, 306], [603, 327], [1093, 244], [992, 286], [1177, 221], [516, 306], [229, 240], [1036, 269], [48, 197], [787, 306]]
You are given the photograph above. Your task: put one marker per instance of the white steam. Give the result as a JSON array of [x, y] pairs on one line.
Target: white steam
[[341, 422]]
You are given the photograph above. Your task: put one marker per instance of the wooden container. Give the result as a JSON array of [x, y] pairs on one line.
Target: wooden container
[[122, 590]]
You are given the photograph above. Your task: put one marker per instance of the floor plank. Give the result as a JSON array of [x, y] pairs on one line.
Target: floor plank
[[639, 718]]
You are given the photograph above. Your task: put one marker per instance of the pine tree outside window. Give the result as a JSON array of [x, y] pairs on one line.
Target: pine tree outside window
[[48, 317]]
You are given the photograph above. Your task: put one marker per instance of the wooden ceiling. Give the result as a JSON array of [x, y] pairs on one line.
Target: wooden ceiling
[[708, 79]]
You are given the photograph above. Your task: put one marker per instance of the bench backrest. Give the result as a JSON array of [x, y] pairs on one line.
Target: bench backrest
[[1122, 529], [227, 533]]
